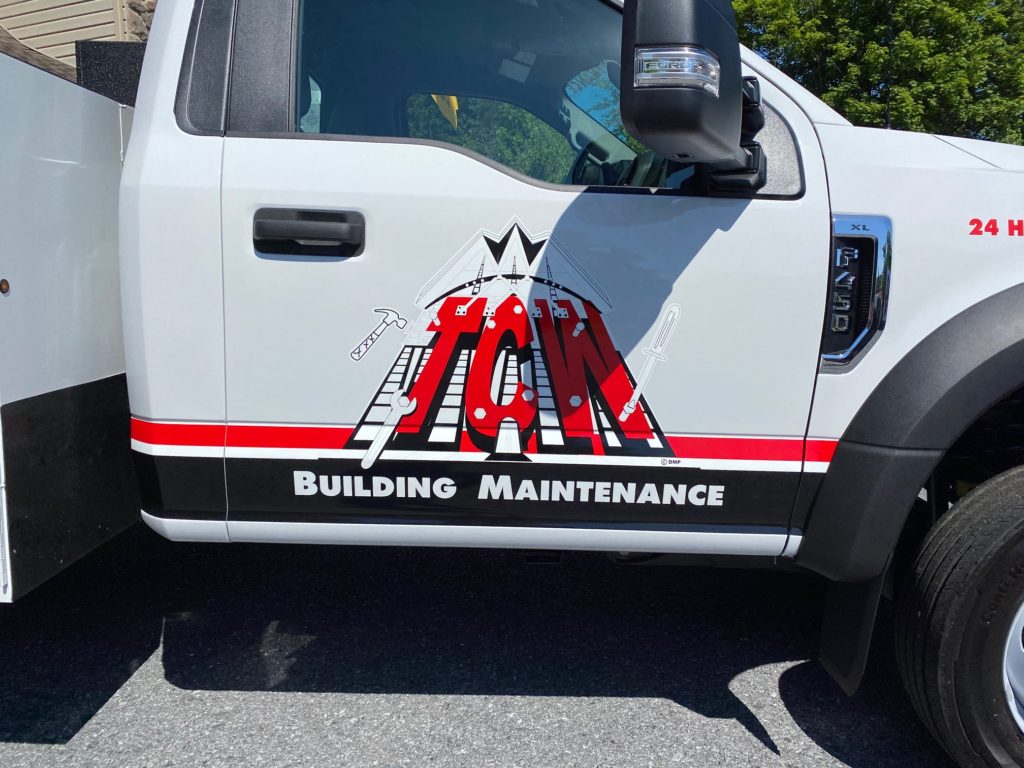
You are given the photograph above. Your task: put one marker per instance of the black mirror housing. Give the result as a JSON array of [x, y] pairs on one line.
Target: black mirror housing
[[687, 123]]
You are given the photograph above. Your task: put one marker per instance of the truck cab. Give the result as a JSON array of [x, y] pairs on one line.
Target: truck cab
[[467, 274]]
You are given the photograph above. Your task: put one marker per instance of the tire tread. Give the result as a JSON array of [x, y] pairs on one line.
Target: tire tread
[[938, 591]]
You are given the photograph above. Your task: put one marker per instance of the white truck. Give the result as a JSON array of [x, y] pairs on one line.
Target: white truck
[[554, 274]]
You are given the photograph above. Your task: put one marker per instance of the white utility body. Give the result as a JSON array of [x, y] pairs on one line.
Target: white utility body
[[66, 480]]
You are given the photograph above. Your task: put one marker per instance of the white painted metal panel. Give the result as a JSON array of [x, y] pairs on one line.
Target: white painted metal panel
[[723, 542], [61, 376], [171, 283], [930, 190], [1007, 156], [747, 275], [58, 194]]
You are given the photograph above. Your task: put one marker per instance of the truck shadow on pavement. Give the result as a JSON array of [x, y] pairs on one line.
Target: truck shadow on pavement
[[455, 622]]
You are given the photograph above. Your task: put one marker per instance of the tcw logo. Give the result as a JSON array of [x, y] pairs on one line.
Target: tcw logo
[[510, 359]]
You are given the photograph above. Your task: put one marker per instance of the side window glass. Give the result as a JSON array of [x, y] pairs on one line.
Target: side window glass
[[594, 98], [309, 101], [502, 132], [532, 85]]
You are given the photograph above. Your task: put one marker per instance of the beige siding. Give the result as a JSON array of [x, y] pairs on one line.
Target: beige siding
[[53, 26]]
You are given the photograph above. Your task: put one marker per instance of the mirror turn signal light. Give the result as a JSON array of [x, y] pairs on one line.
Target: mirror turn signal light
[[682, 66]]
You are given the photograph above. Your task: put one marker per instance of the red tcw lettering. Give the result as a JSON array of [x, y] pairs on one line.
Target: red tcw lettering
[[976, 227], [508, 330], [992, 227], [574, 350], [1017, 228], [449, 325]]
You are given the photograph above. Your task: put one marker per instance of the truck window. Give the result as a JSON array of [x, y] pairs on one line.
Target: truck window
[[309, 121], [532, 86], [503, 132]]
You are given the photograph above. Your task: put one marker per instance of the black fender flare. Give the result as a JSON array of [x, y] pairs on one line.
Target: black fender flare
[[902, 431], [885, 457]]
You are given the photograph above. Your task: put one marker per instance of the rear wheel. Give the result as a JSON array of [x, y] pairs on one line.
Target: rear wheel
[[960, 626]]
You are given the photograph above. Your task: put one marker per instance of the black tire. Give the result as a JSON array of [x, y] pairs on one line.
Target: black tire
[[953, 619]]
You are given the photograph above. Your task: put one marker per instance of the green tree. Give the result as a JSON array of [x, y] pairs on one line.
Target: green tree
[[952, 67], [497, 130]]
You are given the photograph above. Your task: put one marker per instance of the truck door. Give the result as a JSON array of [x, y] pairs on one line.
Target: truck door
[[463, 306]]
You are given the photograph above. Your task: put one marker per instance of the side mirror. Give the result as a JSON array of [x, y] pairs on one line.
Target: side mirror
[[683, 93]]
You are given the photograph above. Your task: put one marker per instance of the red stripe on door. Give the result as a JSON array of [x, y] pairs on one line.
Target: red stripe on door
[[263, 436], [240, 435], [156, 433], [737, 448], [821, 450], [332, 438]]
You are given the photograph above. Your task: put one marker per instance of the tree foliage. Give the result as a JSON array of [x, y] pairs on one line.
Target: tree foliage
[[497, 130], [952, 67]]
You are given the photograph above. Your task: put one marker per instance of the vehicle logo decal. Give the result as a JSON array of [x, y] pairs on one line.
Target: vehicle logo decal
[[389, 318], [510, 357]]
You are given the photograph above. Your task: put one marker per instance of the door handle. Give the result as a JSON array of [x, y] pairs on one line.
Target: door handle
[[292, 232]]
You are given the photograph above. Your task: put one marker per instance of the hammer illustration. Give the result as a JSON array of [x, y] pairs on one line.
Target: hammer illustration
[[390, 318]]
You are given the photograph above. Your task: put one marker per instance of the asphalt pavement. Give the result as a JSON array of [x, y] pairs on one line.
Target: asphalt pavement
[[151, 653]]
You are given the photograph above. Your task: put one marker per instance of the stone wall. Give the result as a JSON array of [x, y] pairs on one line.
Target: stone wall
[[139, 17]]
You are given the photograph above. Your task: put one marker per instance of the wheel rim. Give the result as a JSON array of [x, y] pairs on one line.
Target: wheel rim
[[1013, 668]]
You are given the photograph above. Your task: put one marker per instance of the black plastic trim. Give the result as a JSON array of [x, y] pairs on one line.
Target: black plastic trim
[[902, 431], [958, 372], [810, 483], [846, 630], [798, 151], [261, 94], [860, 509], [184, 488], [326, 234], [200, 106], [110, 68]]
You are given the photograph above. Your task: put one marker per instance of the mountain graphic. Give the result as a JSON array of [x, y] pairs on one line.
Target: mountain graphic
[[512, 262]]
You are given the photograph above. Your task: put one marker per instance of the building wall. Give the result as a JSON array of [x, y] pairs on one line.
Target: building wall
[[52, 26]]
